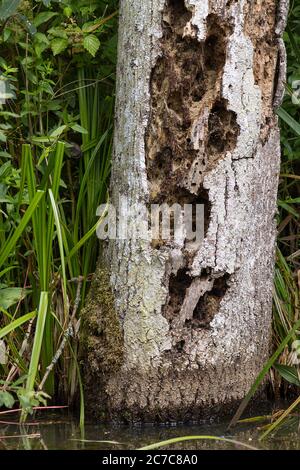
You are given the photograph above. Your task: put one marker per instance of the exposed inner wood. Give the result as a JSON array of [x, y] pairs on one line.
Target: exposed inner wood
[[190, 127], [190, 130], [260, 28]]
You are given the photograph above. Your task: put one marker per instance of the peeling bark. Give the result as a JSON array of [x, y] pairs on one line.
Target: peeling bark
[[197, 85]]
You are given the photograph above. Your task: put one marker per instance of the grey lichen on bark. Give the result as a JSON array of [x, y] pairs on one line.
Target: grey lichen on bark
[[195, 122]]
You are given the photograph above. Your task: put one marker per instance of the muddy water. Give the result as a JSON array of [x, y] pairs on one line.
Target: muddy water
[[61, 431]]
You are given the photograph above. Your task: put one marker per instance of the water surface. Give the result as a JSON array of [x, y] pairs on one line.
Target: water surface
[[61, 431]]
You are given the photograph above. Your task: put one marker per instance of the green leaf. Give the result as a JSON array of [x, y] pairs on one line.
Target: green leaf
[[57, 132], [16, 324], [6, 270], [11, 296], [58, 45], [41, 38], [43, 17], [91, 43], [177, 440], [58, 32], [11, 242], [42, 140], [8, 8], [60, 243], [6, 399], [78, 128], [68, 11], [286, 117], [288, 373], [2, 137], [288, 208], [37, 343]]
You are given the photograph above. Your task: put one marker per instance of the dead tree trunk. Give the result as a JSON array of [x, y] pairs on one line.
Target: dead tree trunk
[[173, 332]]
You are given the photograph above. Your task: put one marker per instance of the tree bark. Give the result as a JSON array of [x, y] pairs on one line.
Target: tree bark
[[173, 332]]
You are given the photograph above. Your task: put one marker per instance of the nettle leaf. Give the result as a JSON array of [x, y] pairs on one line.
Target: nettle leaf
[[40, 48], [11, 296], [28, 400], [46, 87], [8, 8], [58, 45], [43, 17], [6, 399], [6, 34], [288, 373], [41, 43], [58, 32], [42, 38], [91, 43]]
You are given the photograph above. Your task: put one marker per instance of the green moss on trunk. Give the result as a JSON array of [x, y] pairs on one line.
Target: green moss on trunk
[[102, 336]]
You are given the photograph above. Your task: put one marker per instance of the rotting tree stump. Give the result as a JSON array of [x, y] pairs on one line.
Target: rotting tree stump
[[172, 332]]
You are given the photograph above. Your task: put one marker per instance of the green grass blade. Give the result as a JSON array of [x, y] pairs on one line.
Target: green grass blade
[[262, 374], [37, 344], [84, 239], [60, 243], [84, 181], [280, 419], [8, 247], [16, 324], [7, 270], [288, 119], [178, 440]]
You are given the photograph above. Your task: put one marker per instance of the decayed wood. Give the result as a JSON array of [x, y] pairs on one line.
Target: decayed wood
[[192, 326]]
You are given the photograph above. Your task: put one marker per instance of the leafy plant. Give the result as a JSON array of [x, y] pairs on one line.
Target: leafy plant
[[57, 59]]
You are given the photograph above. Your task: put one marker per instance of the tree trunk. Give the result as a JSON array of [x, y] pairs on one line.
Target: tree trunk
[[174, 331]]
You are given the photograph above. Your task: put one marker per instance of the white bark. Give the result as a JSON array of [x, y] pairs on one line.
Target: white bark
[[171, 367]]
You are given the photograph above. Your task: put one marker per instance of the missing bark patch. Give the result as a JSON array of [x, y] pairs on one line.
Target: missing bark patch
[[194, 302], [178, 286], [190, 128], [209, 305], [179, 15], [215, 44], [260, 24], [222, 129]]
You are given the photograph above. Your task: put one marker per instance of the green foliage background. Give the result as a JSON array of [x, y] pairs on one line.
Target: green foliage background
[[57, 61]]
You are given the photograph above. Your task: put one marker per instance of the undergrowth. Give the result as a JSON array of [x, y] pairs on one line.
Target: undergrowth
[[57, 67]]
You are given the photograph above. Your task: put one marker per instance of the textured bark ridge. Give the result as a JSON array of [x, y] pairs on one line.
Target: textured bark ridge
[[197, 84]]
